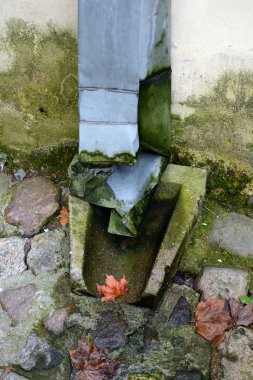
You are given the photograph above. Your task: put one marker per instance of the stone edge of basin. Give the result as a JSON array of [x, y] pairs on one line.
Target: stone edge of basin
[[193, 187]]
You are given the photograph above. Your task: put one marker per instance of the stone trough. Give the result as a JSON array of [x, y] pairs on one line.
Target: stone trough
[[147, 261]]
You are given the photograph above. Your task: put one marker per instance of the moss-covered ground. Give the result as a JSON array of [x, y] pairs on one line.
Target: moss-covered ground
[[199, 252]]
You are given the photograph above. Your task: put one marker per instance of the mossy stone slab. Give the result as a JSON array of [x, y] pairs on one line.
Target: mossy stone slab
[[193, 187]]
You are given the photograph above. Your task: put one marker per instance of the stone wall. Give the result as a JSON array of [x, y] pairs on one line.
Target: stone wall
[[212, 83]]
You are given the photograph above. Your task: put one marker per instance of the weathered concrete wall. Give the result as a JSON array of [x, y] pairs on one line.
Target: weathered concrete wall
[[38, 74], [212, 82]]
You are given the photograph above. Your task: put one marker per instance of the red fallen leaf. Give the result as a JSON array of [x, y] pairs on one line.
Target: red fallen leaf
[[92, 363], [212, 319], [64, 216], [112, 288], [245, 316]]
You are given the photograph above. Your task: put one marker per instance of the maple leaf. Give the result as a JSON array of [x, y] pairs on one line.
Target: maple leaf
[[64, 216], [92, 363], [112, 288], [212, 319]]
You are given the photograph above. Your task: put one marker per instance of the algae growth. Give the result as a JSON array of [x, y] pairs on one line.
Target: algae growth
[[38, 94], [199, 252], [218, 134]]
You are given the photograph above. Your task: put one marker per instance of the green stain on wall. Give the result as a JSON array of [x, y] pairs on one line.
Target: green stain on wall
[[154, 113], [38, 94], [218, 134]]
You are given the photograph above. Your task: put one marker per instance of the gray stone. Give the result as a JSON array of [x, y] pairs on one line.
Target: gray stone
[[6, 229], [20, 174], [194, 375], [39, 354], [18, 302], [181, 315], [14, 376], [250, 200], [49, 251], [3, 160], [56, 323], [33, 203], [5, 181], [171, 298], [12, 256], [234, 233], [51, 289], [224, 282], [237, 355]]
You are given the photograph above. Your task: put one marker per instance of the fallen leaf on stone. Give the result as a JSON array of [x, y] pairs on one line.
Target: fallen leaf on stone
[[235, 308], [64, 216], [245, 316], [92, 363], [212, 319], [112, 288]]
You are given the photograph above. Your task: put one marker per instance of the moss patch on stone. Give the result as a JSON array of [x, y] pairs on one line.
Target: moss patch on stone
[[198, 251], [98, 157], [219, 134], [38, 94]]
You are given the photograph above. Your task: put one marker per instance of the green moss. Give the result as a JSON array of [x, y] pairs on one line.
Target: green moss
[[100, 158], [232, 357], [38, 94], [198, 251], [154, 113], [218, 134]]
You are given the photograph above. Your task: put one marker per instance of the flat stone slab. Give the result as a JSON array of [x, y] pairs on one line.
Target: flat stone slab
[[18, 302], [48, 252], [33, 203], [237, 355], [234, 233], [12, 256], [224, 282]]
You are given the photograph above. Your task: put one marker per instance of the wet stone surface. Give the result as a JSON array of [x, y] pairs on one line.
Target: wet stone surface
[[110, 332], [34, 202], [181, 314]]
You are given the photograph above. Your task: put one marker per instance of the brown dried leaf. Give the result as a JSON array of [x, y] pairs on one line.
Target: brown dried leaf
[[92, 363], [64, 216], [213, 319], [245, 316], [112, 288]]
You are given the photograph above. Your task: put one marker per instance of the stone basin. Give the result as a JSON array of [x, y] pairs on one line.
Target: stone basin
[[147, 261]]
